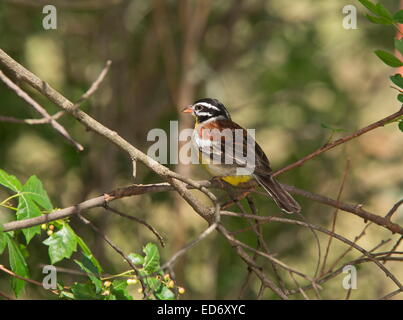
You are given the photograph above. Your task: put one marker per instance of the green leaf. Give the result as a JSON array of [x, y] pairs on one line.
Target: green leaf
[[9, 181], [3, 241], [18, 265], [400, 125], [389, 58], [36, 191], [87, 252], [369, 5], [136, 258], [399, 45], [66, 294], [383, 12], [397, 80], [165, 294], [152, 258], [83, 291], [61, 244], [400, 97], [153, 283], [119, 290], [91, 270], [398, 16], [27, 209], [378, 20]]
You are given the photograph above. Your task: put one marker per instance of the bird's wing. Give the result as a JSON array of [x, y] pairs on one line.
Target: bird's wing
[[225, 142]]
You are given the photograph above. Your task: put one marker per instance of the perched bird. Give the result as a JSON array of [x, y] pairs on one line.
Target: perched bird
[[232, 159]]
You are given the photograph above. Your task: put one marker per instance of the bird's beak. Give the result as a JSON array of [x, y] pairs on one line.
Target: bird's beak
[[188, 109]]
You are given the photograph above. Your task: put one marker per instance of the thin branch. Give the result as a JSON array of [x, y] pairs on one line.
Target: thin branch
[[138, 189], [114, 247], [22, 94], [181, 252], [138, 220], [323, 230], [94, 86], [32, 121], [346, 170], [340, 141], [394, 209]]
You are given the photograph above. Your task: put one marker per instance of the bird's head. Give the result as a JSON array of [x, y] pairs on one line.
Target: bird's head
[[207, 109]]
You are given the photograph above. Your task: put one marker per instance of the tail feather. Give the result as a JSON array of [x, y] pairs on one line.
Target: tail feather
[[282, 198]]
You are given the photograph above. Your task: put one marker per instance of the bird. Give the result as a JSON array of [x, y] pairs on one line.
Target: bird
[[225, 149]]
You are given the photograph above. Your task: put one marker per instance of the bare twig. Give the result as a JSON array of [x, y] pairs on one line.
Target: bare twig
[[114, 247], [394, 209], [94, 86], [340, 141], [138, 220], [191, 244], [32, 121], [138, 189], [346, 170], [22, 94]]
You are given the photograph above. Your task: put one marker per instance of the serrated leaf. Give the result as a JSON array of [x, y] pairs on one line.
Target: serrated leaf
[[61, 244], [83, 291], [136, 258], [27, 209], [153, 283], [18, 265], [9, 181], [398, 16], [34, 188], [87, 252], [3, 241], [152, 258], [92, 272], [378, 20], [400, 125], [119, 290], [389, 58], [165, 294], [369, 5], [397, 80]]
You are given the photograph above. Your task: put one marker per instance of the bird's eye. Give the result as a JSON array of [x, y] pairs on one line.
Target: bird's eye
[[198, 108]]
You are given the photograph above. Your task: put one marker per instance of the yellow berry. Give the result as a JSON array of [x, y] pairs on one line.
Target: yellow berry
[[50, 232], [106, 293], [107, 284], [181, 290], [52, 227], [171, 284], [167, 276], [44, 226]]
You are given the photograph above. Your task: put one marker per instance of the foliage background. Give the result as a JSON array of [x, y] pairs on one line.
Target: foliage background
[[282, 67]]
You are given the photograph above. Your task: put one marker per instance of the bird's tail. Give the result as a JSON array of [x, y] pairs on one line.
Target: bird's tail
[[282, 198]]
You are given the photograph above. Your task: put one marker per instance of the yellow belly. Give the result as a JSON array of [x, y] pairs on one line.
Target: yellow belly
[[235, 180]]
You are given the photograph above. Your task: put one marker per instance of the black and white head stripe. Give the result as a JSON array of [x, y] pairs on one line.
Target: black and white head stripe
[[206, 109]]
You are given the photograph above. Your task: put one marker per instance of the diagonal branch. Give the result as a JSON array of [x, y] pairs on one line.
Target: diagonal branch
[[340, 141], [22, 94]]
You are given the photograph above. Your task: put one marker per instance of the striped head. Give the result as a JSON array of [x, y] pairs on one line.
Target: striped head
[[207, 109]]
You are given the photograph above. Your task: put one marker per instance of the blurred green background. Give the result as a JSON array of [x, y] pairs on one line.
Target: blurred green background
[[285, 68]]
